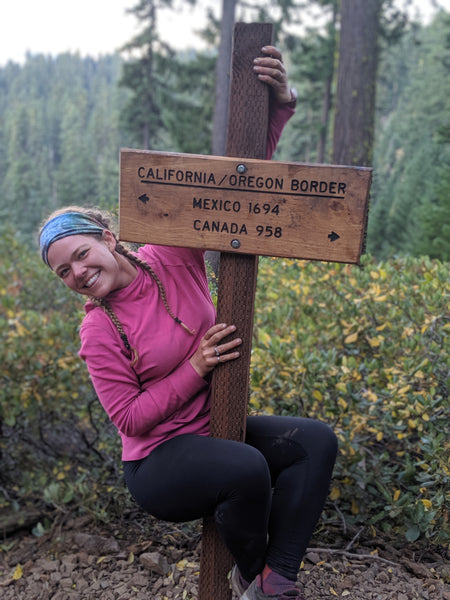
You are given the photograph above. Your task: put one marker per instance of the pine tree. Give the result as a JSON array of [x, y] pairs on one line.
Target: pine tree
[[311, 71], [410, 156], [60, 136], [145, 73], [435, 215], [187, 111]]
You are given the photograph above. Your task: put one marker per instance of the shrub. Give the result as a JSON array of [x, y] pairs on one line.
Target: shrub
[[365, 349], [56, 443]]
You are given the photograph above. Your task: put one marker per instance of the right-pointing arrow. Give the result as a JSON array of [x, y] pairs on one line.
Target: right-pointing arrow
[[333, 236]]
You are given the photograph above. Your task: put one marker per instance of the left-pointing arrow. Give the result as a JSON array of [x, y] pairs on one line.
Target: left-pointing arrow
[[144, 198]]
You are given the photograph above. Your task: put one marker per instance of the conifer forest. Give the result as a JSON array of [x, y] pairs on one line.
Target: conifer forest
[[64, 118]]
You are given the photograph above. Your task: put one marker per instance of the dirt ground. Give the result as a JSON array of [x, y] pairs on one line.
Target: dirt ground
[[133, 560]]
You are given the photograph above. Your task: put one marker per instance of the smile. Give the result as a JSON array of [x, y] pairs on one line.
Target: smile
[[90, 282]]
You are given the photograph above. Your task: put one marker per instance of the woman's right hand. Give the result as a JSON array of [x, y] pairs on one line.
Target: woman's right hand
[[212, 352], [270, 69]]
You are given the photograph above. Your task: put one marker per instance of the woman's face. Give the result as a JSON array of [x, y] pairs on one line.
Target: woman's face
[[89, 265]]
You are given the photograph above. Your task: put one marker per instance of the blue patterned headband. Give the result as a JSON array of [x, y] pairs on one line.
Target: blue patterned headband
[[63, 225]]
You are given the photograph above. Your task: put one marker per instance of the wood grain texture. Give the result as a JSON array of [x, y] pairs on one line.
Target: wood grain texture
[[236, 295], [270, 208]]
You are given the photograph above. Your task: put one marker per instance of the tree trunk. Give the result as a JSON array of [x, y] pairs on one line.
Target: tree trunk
[[355, 102], [326, 103], [220, 119]]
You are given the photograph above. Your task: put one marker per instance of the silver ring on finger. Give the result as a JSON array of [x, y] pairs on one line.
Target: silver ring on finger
[[217, 352], [218, 358]]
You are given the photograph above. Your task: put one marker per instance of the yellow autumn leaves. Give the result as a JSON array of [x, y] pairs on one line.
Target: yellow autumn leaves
[[366, 350]]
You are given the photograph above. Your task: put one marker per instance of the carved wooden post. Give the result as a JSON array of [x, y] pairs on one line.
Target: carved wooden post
[[246, 138]]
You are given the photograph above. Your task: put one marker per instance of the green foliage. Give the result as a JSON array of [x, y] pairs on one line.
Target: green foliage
[[188, 103], [60, 128], [312, 65], [412, 158], [59, 136], [435, 215], [56, 444], [145, 74], [367, 351]]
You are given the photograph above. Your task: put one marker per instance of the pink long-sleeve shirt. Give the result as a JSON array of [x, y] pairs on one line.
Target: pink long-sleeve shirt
[[162, 396]]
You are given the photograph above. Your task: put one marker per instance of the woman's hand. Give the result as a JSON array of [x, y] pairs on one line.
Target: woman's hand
[[211, 352], [270, 69]]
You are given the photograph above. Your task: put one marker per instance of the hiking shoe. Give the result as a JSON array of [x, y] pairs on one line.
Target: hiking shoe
[[235, 582], [254, 592]]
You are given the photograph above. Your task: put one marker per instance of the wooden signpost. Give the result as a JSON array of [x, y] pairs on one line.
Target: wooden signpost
[[243, 207]]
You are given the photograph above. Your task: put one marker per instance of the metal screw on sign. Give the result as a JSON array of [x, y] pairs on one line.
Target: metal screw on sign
[[241, 169], [235, 244]]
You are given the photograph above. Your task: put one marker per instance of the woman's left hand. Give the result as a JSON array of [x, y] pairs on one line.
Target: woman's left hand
[[270, 69], [213, 350]]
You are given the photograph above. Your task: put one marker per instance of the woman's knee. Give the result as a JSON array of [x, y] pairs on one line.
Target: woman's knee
[[249, 476], [325, 440], [252, 471], [312, 439]]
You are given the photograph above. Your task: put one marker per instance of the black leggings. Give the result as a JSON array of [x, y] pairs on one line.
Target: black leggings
[[266, 494]]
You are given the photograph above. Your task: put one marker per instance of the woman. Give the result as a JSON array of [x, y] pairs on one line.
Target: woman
[[150, 341]]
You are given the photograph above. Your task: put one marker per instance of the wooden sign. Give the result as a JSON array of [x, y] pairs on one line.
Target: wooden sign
[[245, 206]]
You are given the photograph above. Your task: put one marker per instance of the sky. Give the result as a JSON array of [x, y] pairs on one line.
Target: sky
[[90, 27], [97, 27]]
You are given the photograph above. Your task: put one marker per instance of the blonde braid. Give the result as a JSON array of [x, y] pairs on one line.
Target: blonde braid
[[118, 325], [141, 263]]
